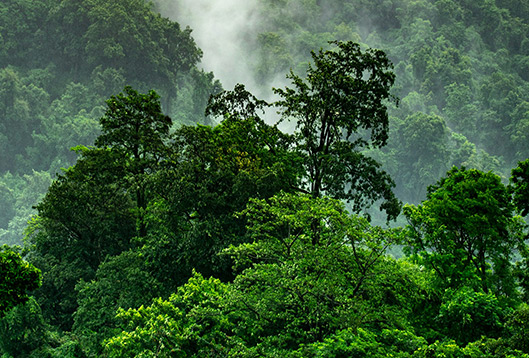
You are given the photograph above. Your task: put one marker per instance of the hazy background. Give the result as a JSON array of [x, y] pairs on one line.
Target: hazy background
[[461, 75], [222, 29]]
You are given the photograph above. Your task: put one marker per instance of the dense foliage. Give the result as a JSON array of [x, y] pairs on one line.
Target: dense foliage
[[59, 61], [463, 65], [17, 277], [240, 239]]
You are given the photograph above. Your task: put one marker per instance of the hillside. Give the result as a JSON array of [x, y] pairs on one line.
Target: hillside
[[462, 64], [59, 62], [360, 189]]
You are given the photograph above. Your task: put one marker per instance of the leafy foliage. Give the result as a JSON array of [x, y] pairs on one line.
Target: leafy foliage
[[339, 110], [23, 332], [61, 59], [187, 324], [469, 315], [520, 186], [344, 96], [421, 152], [461, 61], [135, 128], [159, 211], [465, 228], [290, 292], [18, 277]]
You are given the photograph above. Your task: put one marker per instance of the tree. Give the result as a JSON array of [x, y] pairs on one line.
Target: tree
[[293, 291], [339, 110], [188, 324], [23, 332], [466, 230], [211, 174], [84, 217], [421, 151], [518, 328], [519, 186], [289, 293], [17, 277], [135, 127], [95, 208], [121, 282], [519, 189], [467, 315]]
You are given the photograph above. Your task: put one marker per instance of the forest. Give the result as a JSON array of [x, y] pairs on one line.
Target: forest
[[363, 191]]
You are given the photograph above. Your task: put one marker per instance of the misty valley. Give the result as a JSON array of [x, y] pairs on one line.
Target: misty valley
[[264, 178]]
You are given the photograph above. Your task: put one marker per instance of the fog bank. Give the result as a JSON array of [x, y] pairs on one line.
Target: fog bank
[[221, 29]]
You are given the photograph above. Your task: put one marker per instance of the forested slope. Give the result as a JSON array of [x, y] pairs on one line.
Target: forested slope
[[461, 67], [59, 62], [237, 238]]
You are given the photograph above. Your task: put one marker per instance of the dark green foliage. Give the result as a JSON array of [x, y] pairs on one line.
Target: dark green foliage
[[23, 332], [467, 315], [135, 125], [289, 292], [340, 109], [59, 61], [136, 131], [144, 210], [420, 143], [123, 281], [17, 277], [165, 203], [520, 187], [521, 272], [517, 326], [210, 175], [97, 206]]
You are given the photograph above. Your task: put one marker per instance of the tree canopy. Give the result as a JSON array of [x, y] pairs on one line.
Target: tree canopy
[[241, 237], [17, 278], [339, 110], [520, 186], [466, 227]]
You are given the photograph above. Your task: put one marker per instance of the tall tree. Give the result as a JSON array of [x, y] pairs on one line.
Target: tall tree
[[339, 110], [421, 150], [94, 209], [136, 128], [211, 174], [520, 186], [466, 230], [84, 217]]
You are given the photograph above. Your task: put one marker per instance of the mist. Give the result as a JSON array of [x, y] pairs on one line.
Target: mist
[[222, 30]]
